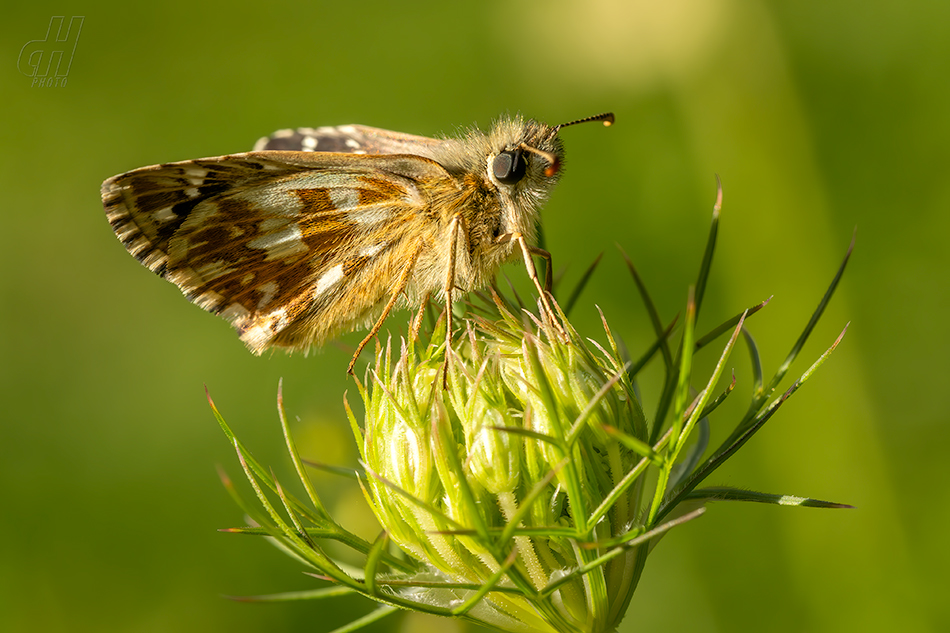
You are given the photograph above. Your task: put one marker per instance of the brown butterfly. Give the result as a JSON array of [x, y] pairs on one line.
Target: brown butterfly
[[322, 231]]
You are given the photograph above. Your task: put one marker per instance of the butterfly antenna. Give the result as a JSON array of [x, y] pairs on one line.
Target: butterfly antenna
[[553, 163], [606, 117]]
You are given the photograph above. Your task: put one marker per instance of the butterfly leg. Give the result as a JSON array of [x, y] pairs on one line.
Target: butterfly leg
[[546, 256], [454, 229], [401, 284], [527, 251]]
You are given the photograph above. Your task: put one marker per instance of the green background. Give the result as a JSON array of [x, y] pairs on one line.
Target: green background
[[819, 116]]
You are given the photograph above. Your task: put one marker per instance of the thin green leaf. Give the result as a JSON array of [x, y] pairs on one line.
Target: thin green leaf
[[261, 531], [706, 265], [637, 536], [490, 583], [727, 326], [724, 493], [720, 398], [657, 344], [632, 475], [652, 312], [634, 444], [260, 472], [783, 368], [286, 535], [610, 336], [369, 618], [354, 425], [814, 367], [757, 374], [618, 550], [295, 456], [250, 511], [659, 507], [742, 435], [514, 292], [578, 426], [506, 309], [372, 562], [294, 596], [299, 529], [579, 288], [348, 473], [685, 368], [693, 456], [534, 435]]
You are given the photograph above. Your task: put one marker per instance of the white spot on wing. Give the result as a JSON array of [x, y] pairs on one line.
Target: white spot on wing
[[278, 244], [370, 251], [329, 279], [309, 143], [163, 215], [196, 175]]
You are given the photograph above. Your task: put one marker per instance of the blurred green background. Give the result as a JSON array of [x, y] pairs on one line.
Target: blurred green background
[[819, 116]]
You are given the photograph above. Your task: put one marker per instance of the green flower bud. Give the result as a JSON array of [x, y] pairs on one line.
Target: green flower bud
[[502, 469]]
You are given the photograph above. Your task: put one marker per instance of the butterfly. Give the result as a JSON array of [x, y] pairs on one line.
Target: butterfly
[[322, 231]]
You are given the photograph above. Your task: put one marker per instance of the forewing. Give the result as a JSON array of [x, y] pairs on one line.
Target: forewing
[[271, 241], [351, 139]]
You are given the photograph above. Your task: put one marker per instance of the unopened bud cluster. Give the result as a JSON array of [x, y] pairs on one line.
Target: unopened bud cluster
[[499, 473]]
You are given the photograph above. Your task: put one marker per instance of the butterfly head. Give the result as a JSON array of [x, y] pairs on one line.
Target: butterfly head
[[528, 155]]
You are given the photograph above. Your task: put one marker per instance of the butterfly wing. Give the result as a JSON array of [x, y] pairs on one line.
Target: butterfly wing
[[351, 139], [290, 247]]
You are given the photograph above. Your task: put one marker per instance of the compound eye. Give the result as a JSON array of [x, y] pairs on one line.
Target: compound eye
[[509, 167]]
